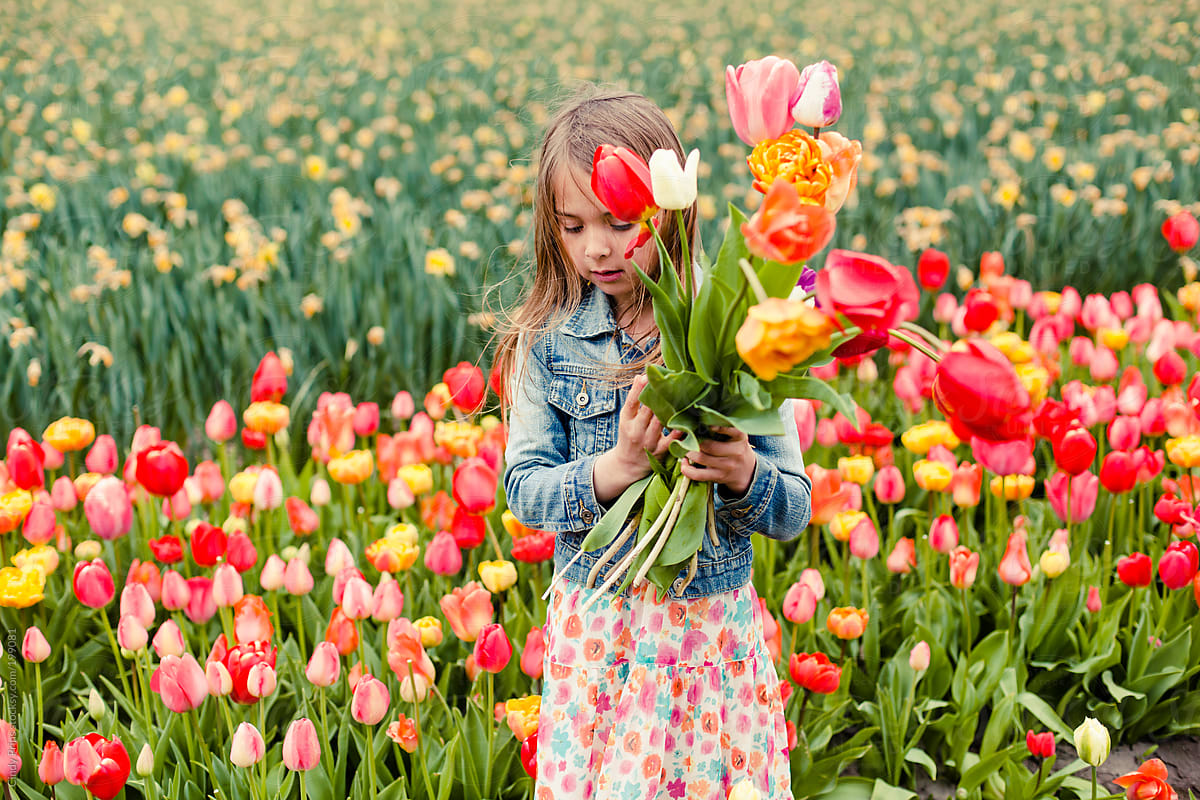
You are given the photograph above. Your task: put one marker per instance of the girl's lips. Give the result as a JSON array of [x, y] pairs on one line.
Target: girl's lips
[[610, 275]]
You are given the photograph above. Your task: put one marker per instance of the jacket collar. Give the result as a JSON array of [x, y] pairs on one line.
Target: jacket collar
[[593, 316]]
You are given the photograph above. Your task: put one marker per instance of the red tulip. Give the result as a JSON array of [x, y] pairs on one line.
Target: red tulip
[[1074, 449], [1170, 369], [467, 386], [529, 755], [979, 392], [167, 548], [270, 380], [239, 659], [621, 182], [1147, 782], [468, 530], [162, 469], [99, 765], [868, 290], [1117, 472], [933, 267], [208, 544], [815, 672], [492, 648], [474, 486], [1181, 231], [1041, 745], [240, 552], [26, 464], [1094, 603], [93, 583], [1135, 570], [1178, 565], [1172, 510], [980, 310], [536, 547], [254, 440]]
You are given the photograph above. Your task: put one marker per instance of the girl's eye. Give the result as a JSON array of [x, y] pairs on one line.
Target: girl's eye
[[572, 228], [622, 226]]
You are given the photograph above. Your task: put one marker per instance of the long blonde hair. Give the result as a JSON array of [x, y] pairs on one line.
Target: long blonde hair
[[588, 118]]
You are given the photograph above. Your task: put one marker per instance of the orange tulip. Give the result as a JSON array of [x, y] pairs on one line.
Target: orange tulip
[[829, 496], [342, 632], [847, 622], [404, 732], [266, 417], [786, 228], [1147, 782], [69, 434]]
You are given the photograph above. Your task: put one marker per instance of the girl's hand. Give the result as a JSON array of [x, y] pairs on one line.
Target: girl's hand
[[638, 430], [729, 463]]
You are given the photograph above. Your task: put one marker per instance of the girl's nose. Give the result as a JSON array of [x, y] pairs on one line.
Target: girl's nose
[[597, 246]]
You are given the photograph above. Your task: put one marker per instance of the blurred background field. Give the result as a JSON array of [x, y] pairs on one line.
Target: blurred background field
[[187, 186]]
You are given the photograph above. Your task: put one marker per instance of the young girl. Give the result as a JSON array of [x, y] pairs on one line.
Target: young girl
[[642, 699]]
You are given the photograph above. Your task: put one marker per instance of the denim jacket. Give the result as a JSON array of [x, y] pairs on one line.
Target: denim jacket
[[564, 414]]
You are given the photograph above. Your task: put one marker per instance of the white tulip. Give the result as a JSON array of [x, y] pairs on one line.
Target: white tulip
[[673, 186]]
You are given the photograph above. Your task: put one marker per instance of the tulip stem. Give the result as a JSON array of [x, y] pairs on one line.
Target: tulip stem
[[666, 531], [370, 762], [753, 281], [300, 624], [489, 718], [1093, 783], [803, 708], [846, 572], [733, 306], [685, 249], [1012, 621], [112, 640], [966, 626], [303, 791], [324, 726], [37, 677], [914, 344], [420, 756]]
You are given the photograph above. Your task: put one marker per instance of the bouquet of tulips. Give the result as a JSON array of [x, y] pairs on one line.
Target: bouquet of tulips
[[734, 346]]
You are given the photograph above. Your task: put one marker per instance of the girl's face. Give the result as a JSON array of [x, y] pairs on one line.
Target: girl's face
[[596, 241]]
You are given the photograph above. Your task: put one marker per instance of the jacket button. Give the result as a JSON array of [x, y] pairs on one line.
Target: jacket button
[[581, 399], [587, 516], [739, 512]]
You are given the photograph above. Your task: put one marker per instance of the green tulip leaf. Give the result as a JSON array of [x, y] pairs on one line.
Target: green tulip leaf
[[812, 388], [745, 418], [614, 519], [669, 317], [752, 390], [676, 391], [690, 527]]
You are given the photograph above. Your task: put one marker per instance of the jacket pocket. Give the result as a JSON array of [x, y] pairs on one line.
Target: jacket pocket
[[588, 402]]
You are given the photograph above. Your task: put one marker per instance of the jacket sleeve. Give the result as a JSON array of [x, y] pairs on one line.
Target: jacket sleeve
[[778, 503], [543, 488]]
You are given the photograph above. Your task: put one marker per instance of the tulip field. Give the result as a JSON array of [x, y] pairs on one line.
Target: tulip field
[[254, 541]]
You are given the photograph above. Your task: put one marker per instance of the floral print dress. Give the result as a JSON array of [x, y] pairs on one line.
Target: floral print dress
[[647, 699]]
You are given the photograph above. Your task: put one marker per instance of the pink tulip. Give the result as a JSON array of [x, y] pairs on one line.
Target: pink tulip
[[533, 656], [180, 682], [107, 508], [131, 634], [93, 583], [1104, 365], [210, 480], [1004, 458], [176, 594], [168, 641], [370, 702], [826, 433], [261, 680], [864, 540], [301, 748], [760, 94], [918, 657], [39, 524], [80, 760], [226, 586], [337, 557], [271, 577], [135, 600], [492, 648], [324, 666], [366, 419], [903, 557], [1015, 569], [402, 406], [102, 457], [474, 486], [51, 769], [320, 494], [468, 609], [178, 505], [943, 534], [442, 556], [1124, 433], [889, 484], [799, 604], [817, 101], [62, 494], [268, 490], [400, 494], [1084, 489], [356, 599], [247, 747], [201, 607], [1081, 350], [221, 425], [388, 601], [1093, 599], [811, 577], [34, 647], [220, 682], [297, 579]]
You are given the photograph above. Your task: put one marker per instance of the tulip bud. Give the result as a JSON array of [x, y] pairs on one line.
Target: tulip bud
[[497, 575], [131, 635], [301, 747], [818, 99], [51, 769], [1053, 563], [35, 649], [674, 187], [221, 425], [145, 761], [272, 574], [1092, 742], [261, 680], [247, 747], [356, 598], [220, 682], [918, 658], [324, 666], [226, 586], [492, 648], [168, 641], [297, 579], [320, 494], [370, 702], [337, 557], [95, 705], [431, 631], [1093, 599]]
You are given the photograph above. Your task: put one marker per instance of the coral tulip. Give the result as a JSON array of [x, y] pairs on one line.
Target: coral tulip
[[492, 648], [342, 632], [51, 769], [847, 622], [963, 567], [1147, 782], [814, 672], [903, 557], [1015, 569], [787, 229], [468, 609]]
